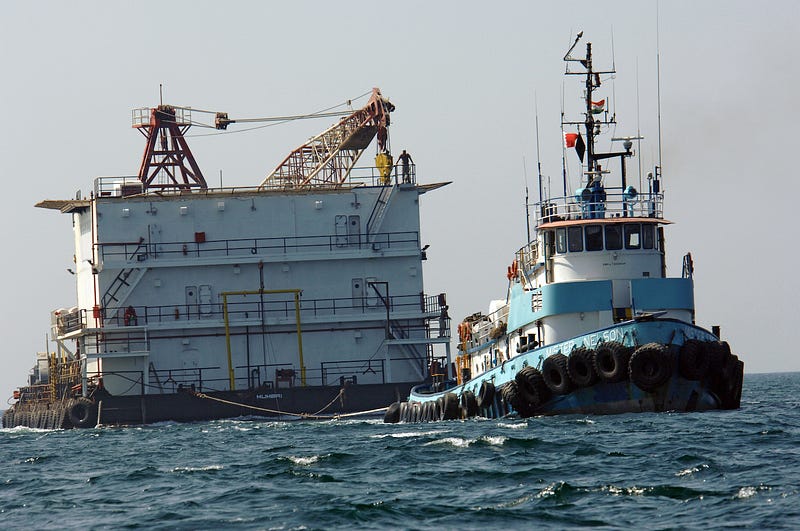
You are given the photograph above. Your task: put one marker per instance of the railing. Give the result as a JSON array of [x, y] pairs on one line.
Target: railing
[[606, 203], [138, 252], [332, 373], [488, 326], [134, 341], [528, 256], [124, 185], [70, 321], [348, 371], [253, 308], [36, 393]]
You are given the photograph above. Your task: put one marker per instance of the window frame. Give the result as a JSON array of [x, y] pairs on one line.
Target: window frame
[[561, 240], [609, 228], [587, 237], [570, 239], [628, 232]]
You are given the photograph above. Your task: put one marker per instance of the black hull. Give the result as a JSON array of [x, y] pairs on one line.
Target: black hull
[[284, 403]]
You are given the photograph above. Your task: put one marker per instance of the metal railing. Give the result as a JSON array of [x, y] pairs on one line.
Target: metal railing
[[139, 252], [124, 185], [604, 204], [253, 308], [347, 371], [488, 327]]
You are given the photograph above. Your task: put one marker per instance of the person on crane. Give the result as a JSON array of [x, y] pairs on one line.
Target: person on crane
[[406, 160]]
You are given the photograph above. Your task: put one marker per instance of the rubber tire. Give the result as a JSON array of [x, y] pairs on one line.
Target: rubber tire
[[448, 406], [403, 411], [651, 366], [83, 413], [435, 411], [532, 387], [416, 413], [556, 375], [427, 414], [469, 404], [485, 396], [611, 361], [512, 395], [392, 415], [8, 418], [580, 366], [693, 361]]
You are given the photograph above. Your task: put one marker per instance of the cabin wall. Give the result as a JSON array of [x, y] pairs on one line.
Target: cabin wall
[[167, 264]]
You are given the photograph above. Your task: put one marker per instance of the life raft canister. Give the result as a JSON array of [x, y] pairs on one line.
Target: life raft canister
[[513, 270]]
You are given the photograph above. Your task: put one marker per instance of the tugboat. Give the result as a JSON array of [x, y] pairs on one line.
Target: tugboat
[[301, 297], [591, 323]]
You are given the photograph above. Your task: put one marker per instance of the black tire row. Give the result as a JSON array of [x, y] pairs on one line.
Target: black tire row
[[648, 366], [78, 413]]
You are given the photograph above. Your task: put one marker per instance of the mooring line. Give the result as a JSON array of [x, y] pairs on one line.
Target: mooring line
[[314, 416]]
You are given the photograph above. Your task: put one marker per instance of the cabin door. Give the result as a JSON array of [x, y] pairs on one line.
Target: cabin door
[[354, 230], [358, 292], [191, 301], [204, 294], [341, 231]]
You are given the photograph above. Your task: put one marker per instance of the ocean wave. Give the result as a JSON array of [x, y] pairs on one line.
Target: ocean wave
[[207, 468], [405, 434], [690, 471], [304, 460], [461, 442]]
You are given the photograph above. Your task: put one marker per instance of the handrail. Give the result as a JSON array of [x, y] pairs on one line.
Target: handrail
[[145, 315], [110, 187], [608, 203], [252, 246]]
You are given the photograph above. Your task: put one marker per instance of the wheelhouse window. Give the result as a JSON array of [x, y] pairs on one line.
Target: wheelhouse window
[[594, 237], [575, 239], [561, 241], [613, 237], [648, 236], [633, 236]]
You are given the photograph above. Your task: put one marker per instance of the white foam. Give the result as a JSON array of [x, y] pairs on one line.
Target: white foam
[[516, 426], [496, 440], [405, 434], [197, 469], [690, 471], [458, 442], [305, 461], [746, 492]]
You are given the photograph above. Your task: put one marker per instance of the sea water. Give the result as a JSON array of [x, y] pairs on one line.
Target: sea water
[[649, 471]]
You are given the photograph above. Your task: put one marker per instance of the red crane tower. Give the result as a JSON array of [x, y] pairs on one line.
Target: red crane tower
[[168, 162]]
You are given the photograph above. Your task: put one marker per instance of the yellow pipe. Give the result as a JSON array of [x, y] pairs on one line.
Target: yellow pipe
[[299, 337], [228, 340], [261, 292]]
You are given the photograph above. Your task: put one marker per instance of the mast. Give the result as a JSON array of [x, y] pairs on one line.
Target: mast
[[590, 162]]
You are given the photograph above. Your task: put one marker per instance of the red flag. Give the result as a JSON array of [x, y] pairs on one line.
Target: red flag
[[570, 139]]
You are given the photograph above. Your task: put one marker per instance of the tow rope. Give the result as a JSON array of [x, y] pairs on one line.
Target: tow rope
[[311, 416]]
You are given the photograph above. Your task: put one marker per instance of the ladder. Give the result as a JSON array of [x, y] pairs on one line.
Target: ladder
[[379, 212]]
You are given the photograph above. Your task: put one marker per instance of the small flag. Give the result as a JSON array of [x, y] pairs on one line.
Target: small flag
[[569, 139], [580, 147], [598, 106]]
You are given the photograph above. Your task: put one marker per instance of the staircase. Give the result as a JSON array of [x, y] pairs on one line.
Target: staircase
[[122, 285], [379, 212], [119, 290]]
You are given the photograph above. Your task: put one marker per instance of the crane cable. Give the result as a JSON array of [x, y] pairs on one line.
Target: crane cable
[[322, 113]]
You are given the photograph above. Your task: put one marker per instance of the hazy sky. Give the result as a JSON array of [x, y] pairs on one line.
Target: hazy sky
[[464, 77]]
